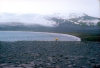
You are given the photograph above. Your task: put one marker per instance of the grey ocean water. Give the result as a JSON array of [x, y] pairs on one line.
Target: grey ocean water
[[35, 36]]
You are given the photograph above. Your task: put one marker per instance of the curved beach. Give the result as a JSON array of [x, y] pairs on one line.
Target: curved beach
[[35, 36]]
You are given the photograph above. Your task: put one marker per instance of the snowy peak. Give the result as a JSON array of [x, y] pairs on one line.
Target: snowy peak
[[76, 15], [48, 20], [86, 20], [67, 15], [78, 18]]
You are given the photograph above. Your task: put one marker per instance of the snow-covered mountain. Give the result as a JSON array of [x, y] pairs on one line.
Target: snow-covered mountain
[[78, 18], [78, 24], [85, 20], [46, 20]]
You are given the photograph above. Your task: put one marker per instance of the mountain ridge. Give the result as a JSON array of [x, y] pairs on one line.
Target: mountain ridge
[[44, 20]]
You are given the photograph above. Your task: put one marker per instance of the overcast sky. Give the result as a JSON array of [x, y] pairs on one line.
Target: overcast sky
[[90, 7]]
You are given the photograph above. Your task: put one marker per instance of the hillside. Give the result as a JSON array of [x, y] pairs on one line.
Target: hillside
[[84, 26]]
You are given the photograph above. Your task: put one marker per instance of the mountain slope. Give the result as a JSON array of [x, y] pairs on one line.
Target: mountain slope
[[83, 26]]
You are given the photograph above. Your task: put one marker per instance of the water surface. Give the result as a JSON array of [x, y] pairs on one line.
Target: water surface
[[35, 36]]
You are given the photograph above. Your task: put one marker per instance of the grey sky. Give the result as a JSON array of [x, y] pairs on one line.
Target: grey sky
[[90, 7]]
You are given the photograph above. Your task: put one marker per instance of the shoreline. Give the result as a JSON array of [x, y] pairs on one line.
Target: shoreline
[[74, 38]]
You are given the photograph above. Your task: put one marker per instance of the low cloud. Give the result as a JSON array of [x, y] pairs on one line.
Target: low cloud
[[27, 19]]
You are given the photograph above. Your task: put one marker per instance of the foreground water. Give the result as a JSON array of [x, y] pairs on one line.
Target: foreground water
[[46, 54], [35, 36]]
